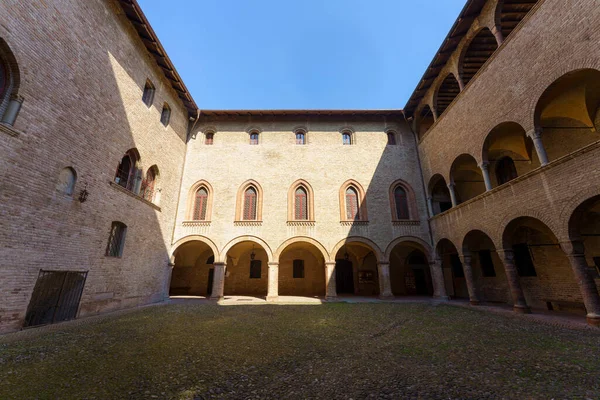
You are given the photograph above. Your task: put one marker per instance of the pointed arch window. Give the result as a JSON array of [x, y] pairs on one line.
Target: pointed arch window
[[200, 204], [165, 116], [128, 174], [352, 210], [149, 184], [353, 204], [148, 96], [401, 200], [250, 204], [301, 204]]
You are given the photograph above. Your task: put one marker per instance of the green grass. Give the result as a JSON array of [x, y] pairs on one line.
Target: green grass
[[331, 351]]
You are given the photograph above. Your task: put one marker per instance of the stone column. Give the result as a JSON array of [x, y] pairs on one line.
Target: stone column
[[430, 205], [273, 291], [508, 259], [385, 285], [331, 292], [497, 32], [468, 270], [218, 281], [452, 194], [437, 276], [486, 175], [539, 146], [576, 253]]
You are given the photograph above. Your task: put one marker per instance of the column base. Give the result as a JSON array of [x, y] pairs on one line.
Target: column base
[[272, 299], [441, 298], [521, 309], [216, 298], [331, 298], [593, 320], [474, 302], [387, 297]]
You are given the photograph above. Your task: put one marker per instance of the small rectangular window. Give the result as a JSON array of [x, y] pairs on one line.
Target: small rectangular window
[[165, 117], [457, 268], [298, 269], [255, 269], [209, 139], [487, 265], [523, 260], [116, 241], [148, 96]]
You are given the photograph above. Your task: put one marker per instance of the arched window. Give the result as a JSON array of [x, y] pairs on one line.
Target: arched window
[[300, 138], [401, 203], [391, 139], [209, 139], [165, 116], [148, 96], [10, 101], [149, 184], [128, 174], [254, 138], [66, 181], [505, 170], [250, 203], [200, 204], [347, 138], [352, 210], [300, 204]]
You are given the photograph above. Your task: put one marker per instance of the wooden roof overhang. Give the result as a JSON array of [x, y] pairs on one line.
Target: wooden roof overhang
[[234, 114]]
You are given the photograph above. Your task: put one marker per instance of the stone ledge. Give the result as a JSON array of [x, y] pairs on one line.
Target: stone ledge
[[247, 223], [9, 130], [354, 223], [407, 222], [195, 223], [301, 223], [135, 196]]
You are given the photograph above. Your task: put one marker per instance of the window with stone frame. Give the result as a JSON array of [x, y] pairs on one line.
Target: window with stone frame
[[165, 116], [298, 272], [250, 204], [486, 263], [255, 269], [300, 138], [128, 174], [401, 204], [352, 204], [116, 240], [346, 138], [301, 204], [148, 96], [200, 204]]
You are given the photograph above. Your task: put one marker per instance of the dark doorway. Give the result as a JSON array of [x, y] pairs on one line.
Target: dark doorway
[[421, 282], [344, 277], [55, 297], [211, 278]]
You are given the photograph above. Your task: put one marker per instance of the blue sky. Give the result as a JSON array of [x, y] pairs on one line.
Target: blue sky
[[301, 54]]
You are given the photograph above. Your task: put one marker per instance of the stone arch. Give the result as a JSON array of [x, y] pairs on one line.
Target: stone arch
[[302, 239], [358, 239], [192, 238], [507, 19], [467, 178], [12, 75], [445, 94], [310, 200], [412, 240], [439, 194], [424, 120], [573, 212], [498, 236], [470, 61], [189, 213], [246, 238]]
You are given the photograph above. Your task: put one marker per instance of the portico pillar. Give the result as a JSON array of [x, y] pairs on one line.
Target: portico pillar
[[536, 136], [508, 259], [330, 289], [437, 276], [497, 32], [486, 175], [468, 270], [430, 205], [452, 194], [218, 281], [385, 284], [273, 291], [576, 253]]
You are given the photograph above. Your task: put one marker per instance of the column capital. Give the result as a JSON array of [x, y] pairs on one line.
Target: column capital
[[330, 263], [273, 263], [219, 264], [466, 258], [383, 263], [536, 133], [484, 165], [451, 185]]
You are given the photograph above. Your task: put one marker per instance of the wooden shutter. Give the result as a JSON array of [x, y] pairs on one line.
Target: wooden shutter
[[250, 204], [200, 204], [401, 201], [301, 204], [352, 212]]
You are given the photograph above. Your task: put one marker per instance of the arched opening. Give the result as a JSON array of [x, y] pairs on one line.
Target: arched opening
[[409, 270], [356, 270], [129, 172], [149, 190], [347, 138], [467, 178], [568, 113], [440, 195], [66, 181], [193, 273], [10, 81], [545, 273], [511, 12], [509, 152], [425, 120], [247, 271], [477, 53], [454, 275], [489, 276], [446, 94], [301, 270]]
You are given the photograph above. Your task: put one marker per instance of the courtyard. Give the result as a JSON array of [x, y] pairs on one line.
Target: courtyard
[[331, 351]]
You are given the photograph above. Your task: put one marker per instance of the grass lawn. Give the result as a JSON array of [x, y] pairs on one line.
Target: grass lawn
[[332, 351]]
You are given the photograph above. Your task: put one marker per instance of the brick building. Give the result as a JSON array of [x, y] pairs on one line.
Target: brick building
[[116, 190]]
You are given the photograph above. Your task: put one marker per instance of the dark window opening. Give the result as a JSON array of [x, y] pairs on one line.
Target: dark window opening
[[457, 267], [445, 206], [300, 138], [255, 269], [352, 211], [254, 138], [209, 139], [505, 170], [165, 116], [391, 139], [346, 139], [116, 241], [148, 96], [487, 265], [401, 201], [211, 260], [127, 174], [298, 269], [523, 260]]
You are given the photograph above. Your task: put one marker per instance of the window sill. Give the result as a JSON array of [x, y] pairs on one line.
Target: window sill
[[9, 130], [405, 222], [135, 196], [247, 223], [196, 223], [301, 223], [354, 223]]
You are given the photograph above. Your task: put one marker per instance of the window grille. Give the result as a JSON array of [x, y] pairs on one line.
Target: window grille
[[116, 241], [165, 116], [487, 265], [209, 139], [301, 204], [250, 204], [148, 96], [255, 269], [300, 138], [401, 200], [200, 204], [352, 211], [254, 138], [298, 269], [346, 139]]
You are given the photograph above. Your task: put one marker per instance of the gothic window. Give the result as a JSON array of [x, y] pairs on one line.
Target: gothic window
[[298, 269], [209, 138], [200, 204], [347, 138], [391, 137], [165, 116], [148, 96], [505, 170], [254, 138], [300, 138], [66, 181], [250, 203], [301, 204], [352, 210], [149, 184], [128, 174], [401, 203], [116, 241], [255, 269]]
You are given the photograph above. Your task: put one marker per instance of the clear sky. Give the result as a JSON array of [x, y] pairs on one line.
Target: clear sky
[[301, 54]]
